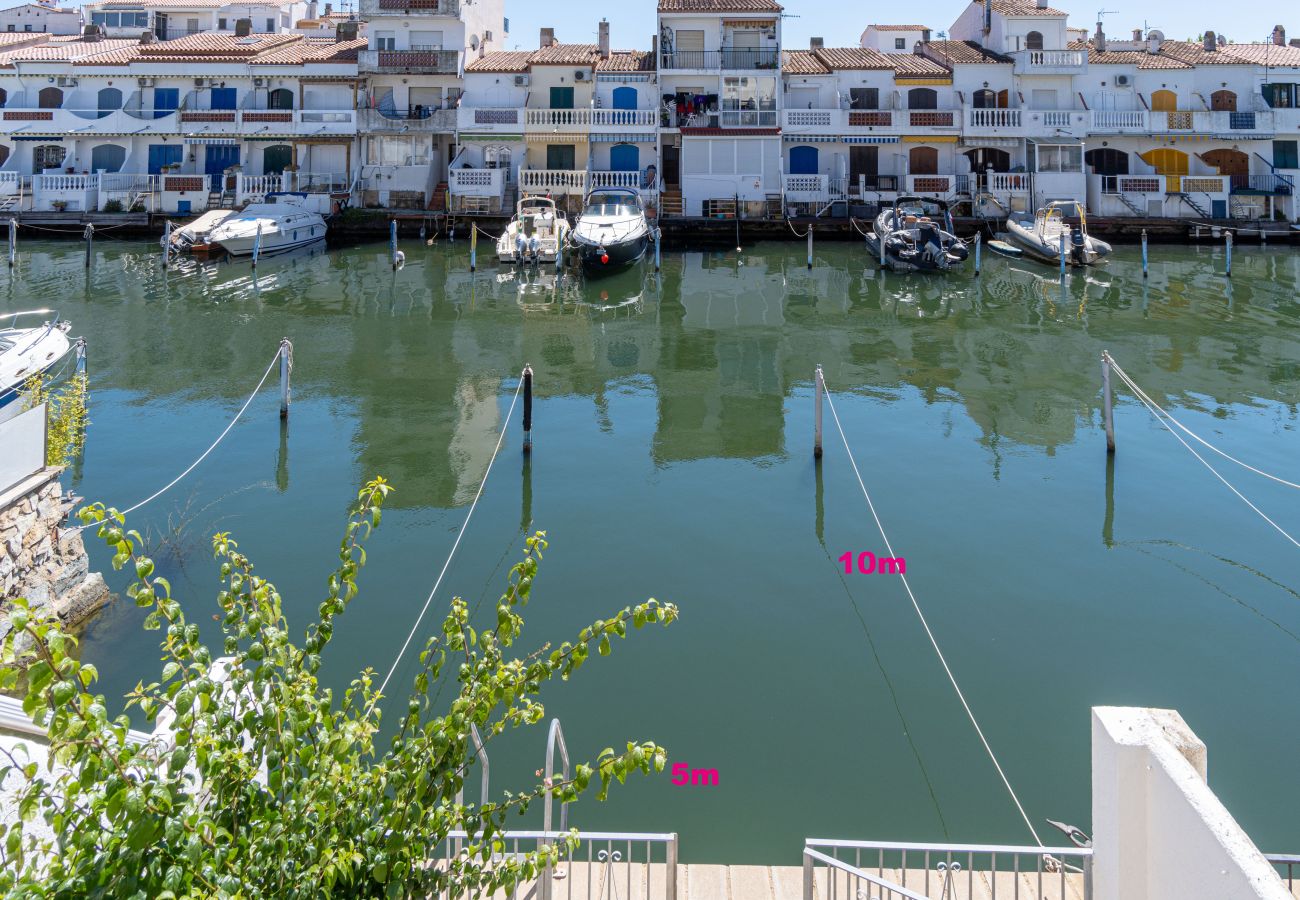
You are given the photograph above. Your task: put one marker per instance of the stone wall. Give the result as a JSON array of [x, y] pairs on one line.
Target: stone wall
[[40, 561]]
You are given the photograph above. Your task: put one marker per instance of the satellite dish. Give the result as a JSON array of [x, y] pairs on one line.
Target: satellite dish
[[473, 41], [1155, 34]]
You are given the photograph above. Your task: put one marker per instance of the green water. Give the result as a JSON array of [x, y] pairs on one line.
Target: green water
[[673, 459]]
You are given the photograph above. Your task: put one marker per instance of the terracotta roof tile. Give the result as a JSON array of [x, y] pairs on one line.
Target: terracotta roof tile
[[64, 51], [913, 66], [627, 61], [802, 62], [311, 52], [744, 6], [160, 4], [853, 58], [565, 55], [1195, 54], [1139, 58], [501, 61], [1022, 8], [965, 52], [1266, 54]]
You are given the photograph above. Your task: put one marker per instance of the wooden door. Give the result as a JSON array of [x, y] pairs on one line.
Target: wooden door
[[923, 161], [1223, 101]]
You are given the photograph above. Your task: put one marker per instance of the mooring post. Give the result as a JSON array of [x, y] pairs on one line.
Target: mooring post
[[657, 234], [810, 240], [528, 409], [819, 389], [881, 240], [1062, 254], [286, 363], [1144, 253], [473, 248], [257, 244], [392, 242], [80, 347], [977, 253], [1227, 244], [13, 241], [90, 243], [167, 242], [1107, 401]]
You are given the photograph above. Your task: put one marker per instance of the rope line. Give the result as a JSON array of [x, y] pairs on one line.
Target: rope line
[[926, 625], [460, 534], [1244, 499], [854, 224], [192, 466], [1193, 435], [491, 237], [796, 233]]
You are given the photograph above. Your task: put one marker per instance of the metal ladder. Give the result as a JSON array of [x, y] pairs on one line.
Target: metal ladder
[[1187, 198]]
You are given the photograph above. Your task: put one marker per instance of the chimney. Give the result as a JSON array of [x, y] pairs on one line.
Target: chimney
[[1279, 36], [925, 35], [1099, 40], [243, 27], [816, 43], [147, 37], [1137, 35], [312, 9], [654, 49], [1041, 4], [91, 33], [1294, 42], [346, 31], [602, 39], [988, 21], [547, 39], [1208, 42], [1153, 41], [329, 9]]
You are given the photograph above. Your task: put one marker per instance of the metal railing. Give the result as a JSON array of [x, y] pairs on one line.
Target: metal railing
[[444, 62], [1268, 183], [720, 59], [413, 119], [411, 7], [1288, 868], [888, 870]]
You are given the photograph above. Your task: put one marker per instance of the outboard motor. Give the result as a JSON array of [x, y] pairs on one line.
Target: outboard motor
[[520, 243], [927, 239], [1078, 246], [534, 247]]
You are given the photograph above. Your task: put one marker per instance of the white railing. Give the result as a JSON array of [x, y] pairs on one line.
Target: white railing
[[553, 117], [477, 182], [806, 188], [255, 187], [993, 118], [1055, 59], [1120, 120], [560, 181], [127, 182], [953, 871], [10, 181], [1056, 118], [1008, 182], [603, 178], [50, 183], [639, 118], [481, 116]]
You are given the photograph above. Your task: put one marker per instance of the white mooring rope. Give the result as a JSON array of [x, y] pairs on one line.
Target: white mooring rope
[[1151, 408], [460, 534], [192, 466], [926, 625]]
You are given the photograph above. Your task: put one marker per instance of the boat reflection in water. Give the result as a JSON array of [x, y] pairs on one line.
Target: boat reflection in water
[[547, 290]]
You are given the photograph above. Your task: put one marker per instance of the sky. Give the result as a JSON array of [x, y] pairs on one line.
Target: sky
[[632, 23]]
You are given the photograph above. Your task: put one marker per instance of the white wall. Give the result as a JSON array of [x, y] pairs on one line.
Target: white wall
[[1159, 832], [37, 19]]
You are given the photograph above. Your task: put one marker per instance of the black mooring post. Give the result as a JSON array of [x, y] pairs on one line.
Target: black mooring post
[[528, 409]]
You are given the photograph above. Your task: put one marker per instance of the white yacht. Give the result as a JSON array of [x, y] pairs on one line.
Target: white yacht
[[536, 234], [29, 350], [612, 231], [1042, 238], [283, 226]]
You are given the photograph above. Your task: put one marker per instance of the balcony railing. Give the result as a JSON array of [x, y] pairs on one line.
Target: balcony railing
[[483, 116], [410, 8], [1048, 62], [555, 181], [414, 120], [932, 185], [568, 118], [1268, 183], [993, 118], [748, 118], [438, 62], [1119, 121], [805, 188], [1007, 182], [932, 119], [477, 182], [720, 59]]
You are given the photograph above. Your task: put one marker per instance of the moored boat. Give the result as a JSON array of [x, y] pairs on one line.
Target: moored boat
[[914, 239], [29, 350], [282, 226], [536, 234], [1042, 238], [612, 231]]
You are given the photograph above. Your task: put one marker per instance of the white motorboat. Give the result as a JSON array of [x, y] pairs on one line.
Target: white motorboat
[[612, 231], [30, 350], [1042, 238], [914, 240], [282, 226], [536, 234]]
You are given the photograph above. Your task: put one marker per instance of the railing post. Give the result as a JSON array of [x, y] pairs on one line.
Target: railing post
[[1227, 245], [528, 409], [1144, 253], [392, 242], [657, 236], [670, 884], [80, 347], [977, 253], [808, 878], [1107, 402], [286, 355], [818, 390]]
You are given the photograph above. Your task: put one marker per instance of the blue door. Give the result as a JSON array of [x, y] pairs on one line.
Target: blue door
[[625, 98], [803, 160], [1219, 209], [217, 159], [624, 158], [165, 101], [163, 155], [223, 98]]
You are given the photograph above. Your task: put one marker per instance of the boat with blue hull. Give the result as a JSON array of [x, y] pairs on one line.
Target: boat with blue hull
[[612, 231]]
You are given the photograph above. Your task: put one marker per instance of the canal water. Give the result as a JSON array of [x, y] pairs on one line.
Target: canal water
[[673, 459]]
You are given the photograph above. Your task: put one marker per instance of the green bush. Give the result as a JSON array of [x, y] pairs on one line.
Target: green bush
[[113, 206]]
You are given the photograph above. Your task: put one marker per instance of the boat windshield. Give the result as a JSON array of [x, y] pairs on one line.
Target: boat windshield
[[611, 208]]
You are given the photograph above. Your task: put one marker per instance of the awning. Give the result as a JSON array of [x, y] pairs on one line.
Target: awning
[[214, 141], [758, 22], [275, 138], [489, 138], [1185, 138], [991, 142], [811, 138], [929, 139], [35, 137], [871, 139], [1058, 141], [554, 137], [622, 138], [921, 79]]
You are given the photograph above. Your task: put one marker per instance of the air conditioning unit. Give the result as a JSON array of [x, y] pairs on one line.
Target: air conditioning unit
[[521, 81], [199, 82], [261, 82], [580, 75], [1121, 81], [67, 82], [145, 82]]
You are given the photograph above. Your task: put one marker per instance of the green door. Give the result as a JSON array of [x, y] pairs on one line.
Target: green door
[[275, 158], [561, 98], [560, 156]]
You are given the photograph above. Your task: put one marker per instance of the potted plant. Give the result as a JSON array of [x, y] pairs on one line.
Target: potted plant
[[59, 205]]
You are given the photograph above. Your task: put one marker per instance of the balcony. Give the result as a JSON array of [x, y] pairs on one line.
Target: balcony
[[1120, 121], [747, 118], [416, 120], [449, 8], [1050, 62], [553, 181], [86, 122], [716, 60], [582, 119], [944, 186], [409, 62], [489, 118]]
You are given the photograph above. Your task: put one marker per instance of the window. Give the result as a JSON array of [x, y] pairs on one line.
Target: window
[[1060, 158], [1285, 155], [561, 156], [561, 98], [221, 24], [192, 26], [1034, 40], [1281, 96], [864, 98], [922, 98], [11, 28], [900, 43], [270, 25], [49, 98], [984, 99], [281, 98], [47, 156], [385, 40]]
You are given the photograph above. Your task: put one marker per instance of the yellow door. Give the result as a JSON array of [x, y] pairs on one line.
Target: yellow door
[[1164, 101], [1170, 163]]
